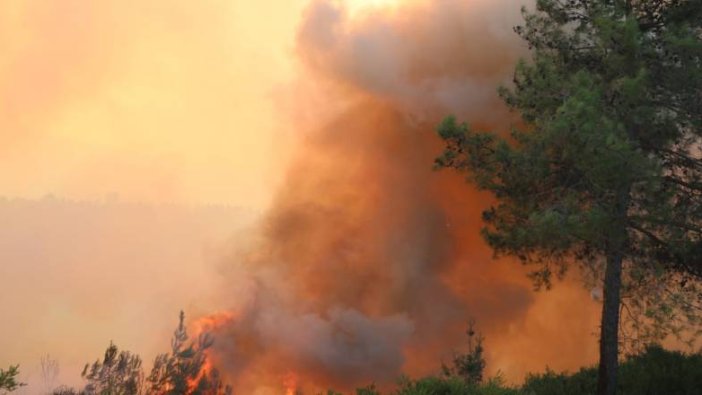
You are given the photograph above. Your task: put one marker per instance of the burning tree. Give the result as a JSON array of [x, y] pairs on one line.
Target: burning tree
[[185, 369], [607, 169]]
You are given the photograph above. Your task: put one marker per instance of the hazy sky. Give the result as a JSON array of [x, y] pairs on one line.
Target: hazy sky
[[156, 101], [160, 100]]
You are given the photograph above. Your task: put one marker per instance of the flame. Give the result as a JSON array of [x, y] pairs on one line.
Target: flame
[[212, 322], [204, 371], [290, 381], [368, 264], [203, 325]]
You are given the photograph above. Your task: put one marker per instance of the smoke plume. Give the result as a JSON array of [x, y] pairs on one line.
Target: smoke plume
[[369, 263]]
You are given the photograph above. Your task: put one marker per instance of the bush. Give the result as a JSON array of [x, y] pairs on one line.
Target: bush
[[655, 371], [659, 371], [552, 383], [452, 386]]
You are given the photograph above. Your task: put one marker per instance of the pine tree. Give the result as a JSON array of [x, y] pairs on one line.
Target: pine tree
[[182, 371], [8, 379], [468, 366], [118, 373], [606, 167]]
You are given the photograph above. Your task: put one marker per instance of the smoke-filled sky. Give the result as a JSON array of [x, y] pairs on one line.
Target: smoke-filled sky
[[352, 262], [162, 100]]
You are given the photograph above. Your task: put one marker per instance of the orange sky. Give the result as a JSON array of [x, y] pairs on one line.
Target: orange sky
[[165, 100]]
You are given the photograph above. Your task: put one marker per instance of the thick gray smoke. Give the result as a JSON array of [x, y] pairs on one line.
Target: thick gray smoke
[[369, 263]]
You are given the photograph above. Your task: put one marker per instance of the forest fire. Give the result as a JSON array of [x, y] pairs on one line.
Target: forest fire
[[369, 264], [339, 194]]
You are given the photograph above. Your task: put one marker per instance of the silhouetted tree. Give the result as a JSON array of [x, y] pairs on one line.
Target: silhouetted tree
[[49, 371], [119, 373], [468, 366]]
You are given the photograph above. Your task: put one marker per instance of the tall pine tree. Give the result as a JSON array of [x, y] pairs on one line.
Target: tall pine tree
[[606, 167]]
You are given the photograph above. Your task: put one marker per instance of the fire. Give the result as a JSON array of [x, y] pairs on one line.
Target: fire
[[204, 326], [290, 382], [212, 322], [204, 371], [368, 263]]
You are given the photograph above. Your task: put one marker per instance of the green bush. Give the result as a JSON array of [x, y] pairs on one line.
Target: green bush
[[452, 386], [659, 371], [552, 383], [655, 371]]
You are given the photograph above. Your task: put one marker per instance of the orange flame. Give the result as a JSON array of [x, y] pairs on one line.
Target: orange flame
[[206, 367], [212, 322], [204, 325], [290, 381]]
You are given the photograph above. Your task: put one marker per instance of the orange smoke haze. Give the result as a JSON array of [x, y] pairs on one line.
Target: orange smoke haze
[[160, 100], [369, 264], [366, 263]]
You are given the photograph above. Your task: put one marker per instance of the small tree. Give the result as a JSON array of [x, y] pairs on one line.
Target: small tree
[[183, 371], [468, 366], [8, 379], [368, 390], [119, 373]]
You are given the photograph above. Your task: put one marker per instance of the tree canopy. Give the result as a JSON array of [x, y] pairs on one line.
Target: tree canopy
[[605, 166]]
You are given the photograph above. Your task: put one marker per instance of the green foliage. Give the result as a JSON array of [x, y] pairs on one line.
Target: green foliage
[[655, 371], [607, 164], [452, 386], [369, 390], [661, 371], [606, 170], [118, 373], [552, 383], [468, 366], [8, 379]]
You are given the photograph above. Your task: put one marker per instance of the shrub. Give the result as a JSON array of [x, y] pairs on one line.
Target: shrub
[[655, 371]]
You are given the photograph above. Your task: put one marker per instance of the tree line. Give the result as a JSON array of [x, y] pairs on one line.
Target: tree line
[[181, 371]]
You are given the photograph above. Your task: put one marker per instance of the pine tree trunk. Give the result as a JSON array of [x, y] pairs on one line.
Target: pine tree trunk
[[609, 327], [609, 330]]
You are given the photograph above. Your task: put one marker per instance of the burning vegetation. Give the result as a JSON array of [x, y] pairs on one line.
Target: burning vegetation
[[368, 263]]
